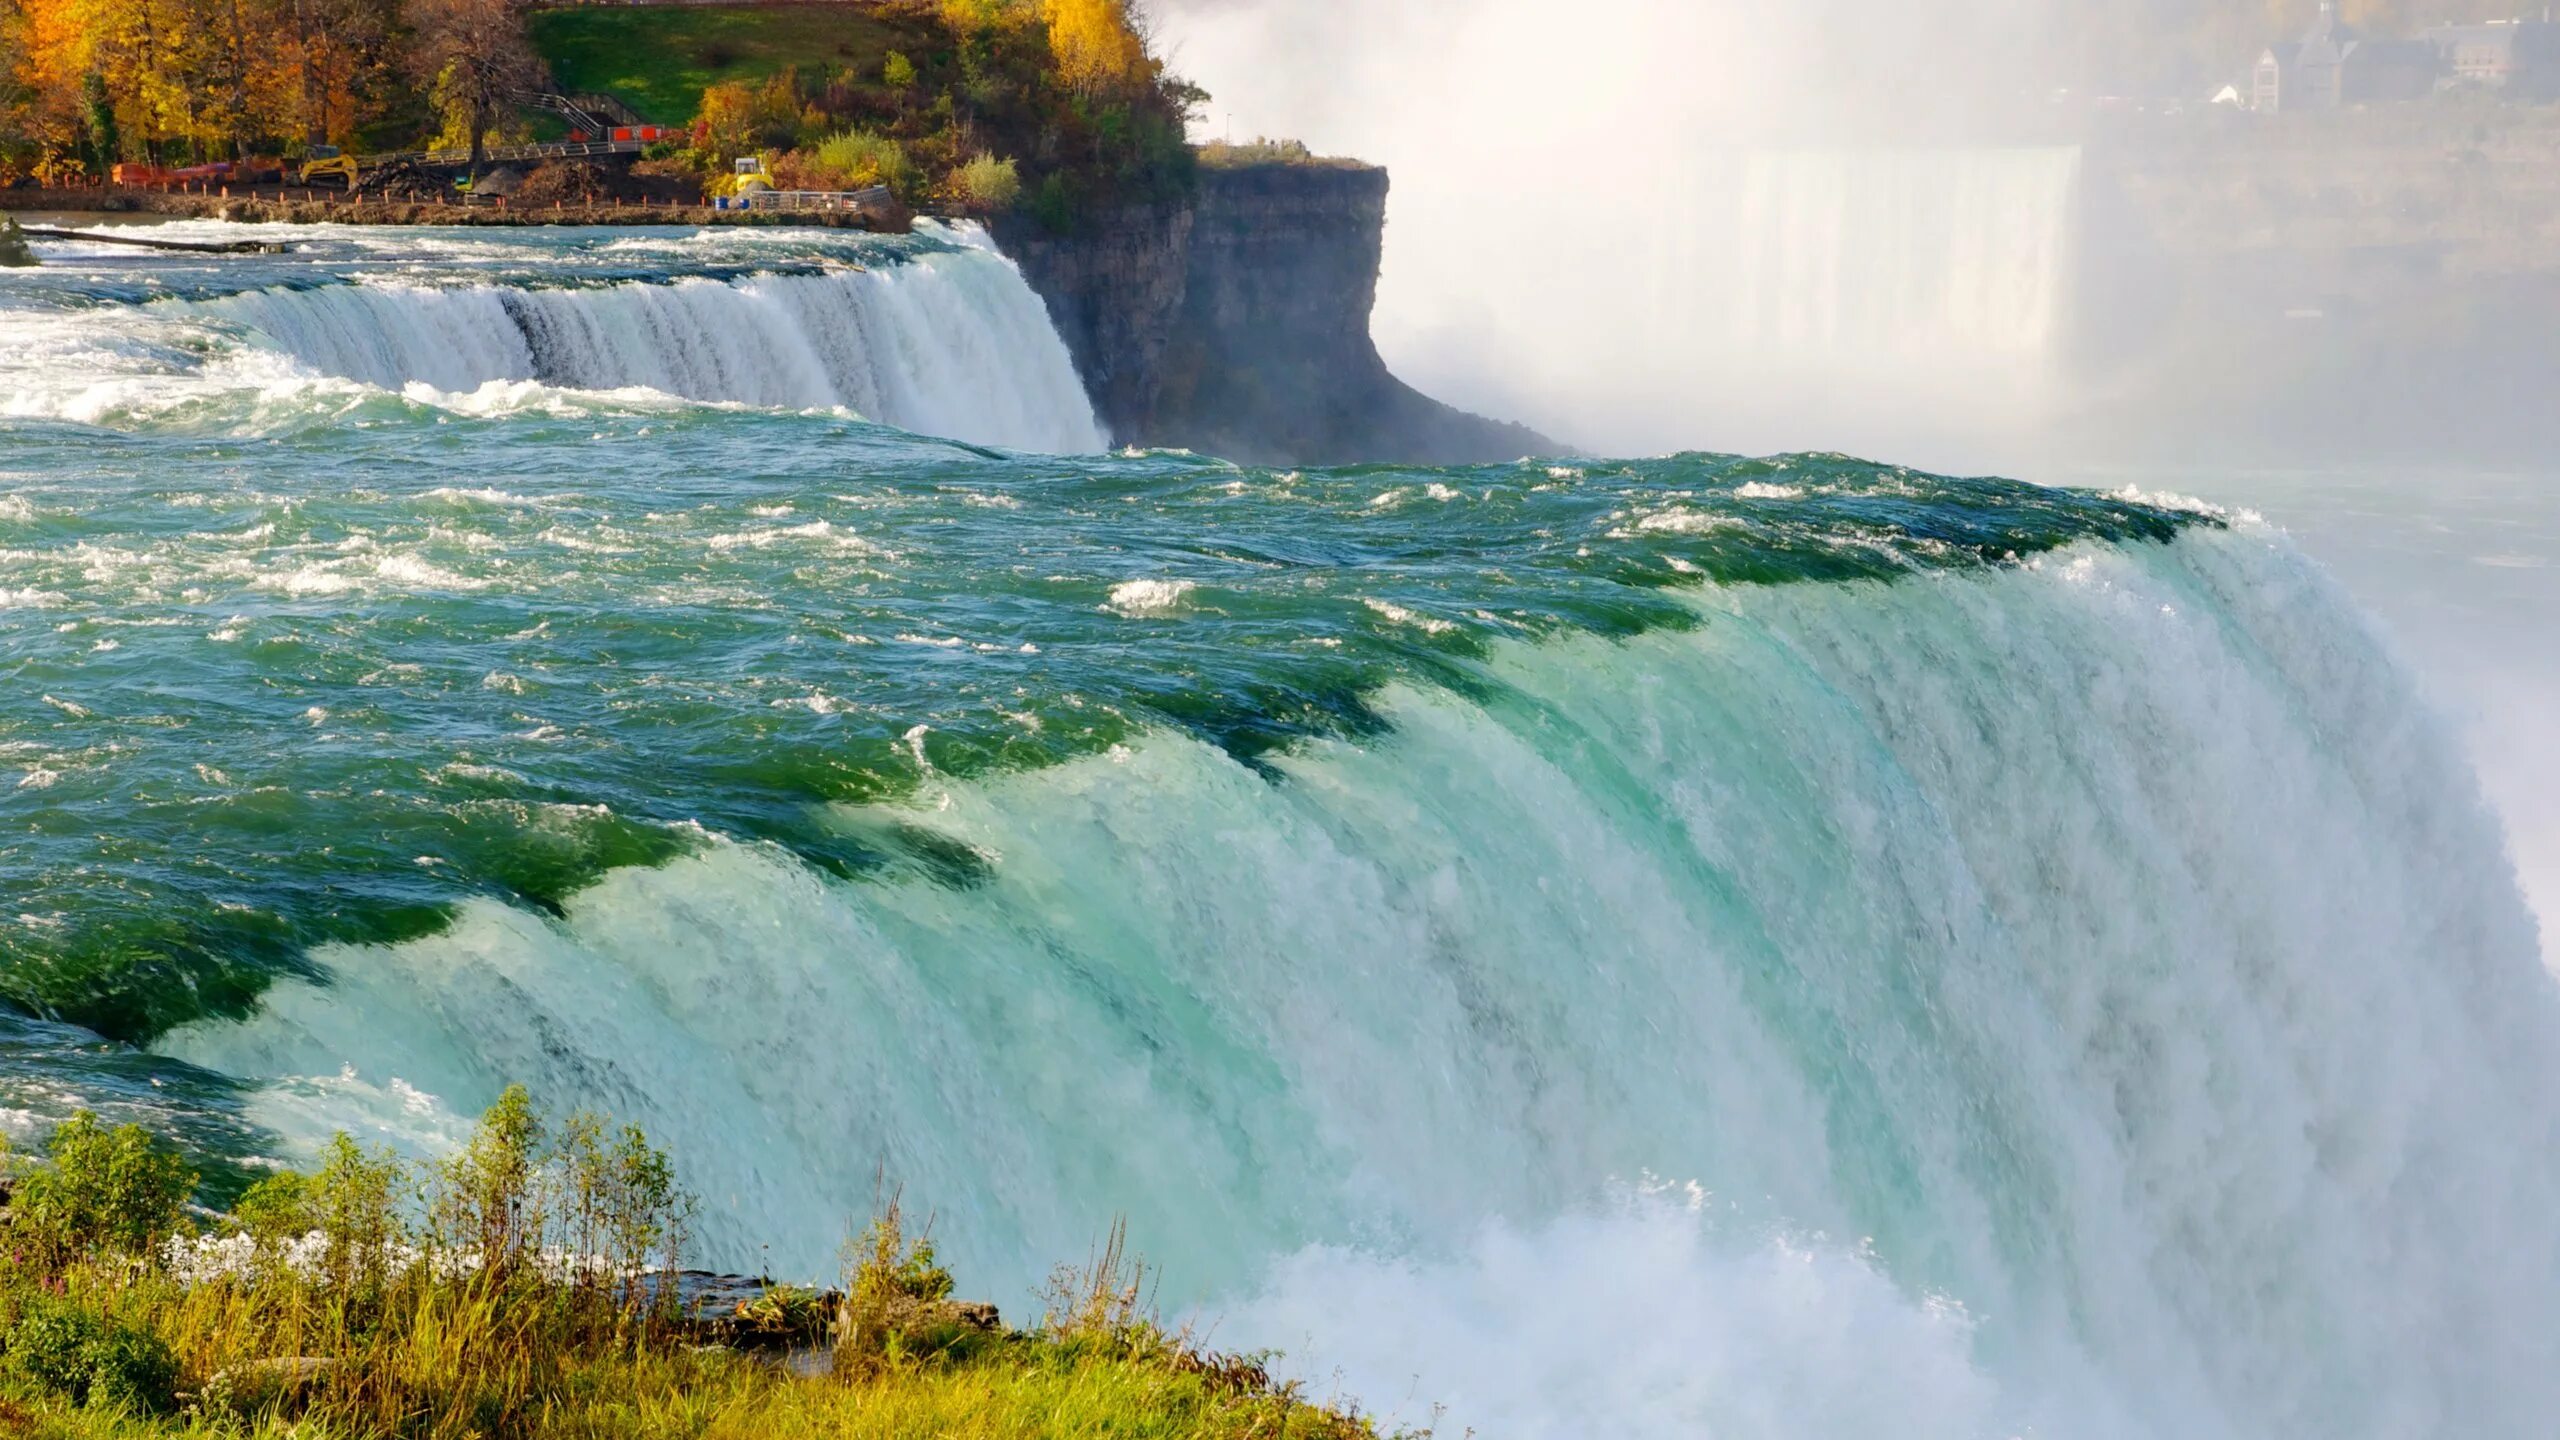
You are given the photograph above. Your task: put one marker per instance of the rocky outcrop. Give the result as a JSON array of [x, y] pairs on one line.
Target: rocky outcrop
[[1238, 324]]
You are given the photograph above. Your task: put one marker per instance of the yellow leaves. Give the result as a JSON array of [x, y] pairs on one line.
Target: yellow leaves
[[967, 16], [201, 76], [738, 118], [1094, 42]]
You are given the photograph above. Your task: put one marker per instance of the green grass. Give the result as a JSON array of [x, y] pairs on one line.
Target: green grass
[[1246, 155], [727, 1398], [427, 1312], [658, 59]]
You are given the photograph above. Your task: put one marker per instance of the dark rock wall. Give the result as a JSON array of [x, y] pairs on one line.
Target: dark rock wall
[[1238, 325]]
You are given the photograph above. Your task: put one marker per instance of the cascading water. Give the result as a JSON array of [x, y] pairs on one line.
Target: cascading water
[[1687, 947], [943, 338], [1949, 918], [1883, 297], [1929, 257], [950, 345]]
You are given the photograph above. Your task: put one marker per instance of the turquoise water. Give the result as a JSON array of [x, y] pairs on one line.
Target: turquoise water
[[1955, 957], [567, 644]]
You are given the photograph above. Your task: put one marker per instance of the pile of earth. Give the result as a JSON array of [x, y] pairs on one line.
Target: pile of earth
[[563, 182]]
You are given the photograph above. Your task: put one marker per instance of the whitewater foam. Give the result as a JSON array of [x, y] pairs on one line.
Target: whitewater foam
[[1142, 598]]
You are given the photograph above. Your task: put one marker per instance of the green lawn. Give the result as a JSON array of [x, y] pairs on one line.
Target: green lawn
[[658, 59]]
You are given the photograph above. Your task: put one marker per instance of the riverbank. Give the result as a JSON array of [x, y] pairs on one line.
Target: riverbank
[[526, 1285], [318, 207]]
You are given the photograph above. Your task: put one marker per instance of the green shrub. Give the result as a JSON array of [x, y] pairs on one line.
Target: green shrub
[[1054, 205], [76, 1353], [49, 1346], [486, 1203], [853, 159], [898, 72], [989, 185], [276, 1209], [897, 1300], [107, 1192], [355, 1202], [132, 1370], [619, 1201]]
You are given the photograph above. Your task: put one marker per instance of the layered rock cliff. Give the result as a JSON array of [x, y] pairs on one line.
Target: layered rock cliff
[[1238, 324]]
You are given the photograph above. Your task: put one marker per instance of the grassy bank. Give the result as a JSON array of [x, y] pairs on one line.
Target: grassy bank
[[527, 1286], [659, 59]]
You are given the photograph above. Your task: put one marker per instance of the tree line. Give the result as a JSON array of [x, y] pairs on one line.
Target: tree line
[[85, 84]]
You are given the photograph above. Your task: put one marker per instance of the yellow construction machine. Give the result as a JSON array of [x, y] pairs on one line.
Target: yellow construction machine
[[330, 160]]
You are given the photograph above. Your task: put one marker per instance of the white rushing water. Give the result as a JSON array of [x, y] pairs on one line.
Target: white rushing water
[[1762, 299], [2462, 569], [2084, 999], [1926, 258], [944, 339], [953, 344]]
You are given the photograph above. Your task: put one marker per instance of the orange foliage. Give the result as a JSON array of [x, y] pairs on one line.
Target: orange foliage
[[192, 78]]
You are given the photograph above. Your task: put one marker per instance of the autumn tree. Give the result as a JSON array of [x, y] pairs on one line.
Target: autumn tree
[[18, 150], [1097, 44], [474, 58], [338, 56]]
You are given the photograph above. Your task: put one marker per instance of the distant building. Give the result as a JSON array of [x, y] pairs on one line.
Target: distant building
[[2335, 65], [2520, 57]]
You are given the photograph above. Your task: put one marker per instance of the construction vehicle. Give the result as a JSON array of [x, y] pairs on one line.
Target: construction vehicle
[[328, 160]]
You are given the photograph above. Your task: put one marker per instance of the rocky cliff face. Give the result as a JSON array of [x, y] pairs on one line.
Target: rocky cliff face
[[1238, 324]]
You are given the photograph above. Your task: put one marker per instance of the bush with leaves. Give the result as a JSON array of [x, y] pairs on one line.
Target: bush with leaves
[[486, 1206], [84, 1356], [106, 1193], [854, 159], [988, 185]]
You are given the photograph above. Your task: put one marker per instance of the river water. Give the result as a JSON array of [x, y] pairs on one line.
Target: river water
[[1684, 946]]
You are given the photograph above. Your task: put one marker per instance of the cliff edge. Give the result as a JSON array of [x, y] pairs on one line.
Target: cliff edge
[[1237, 324]]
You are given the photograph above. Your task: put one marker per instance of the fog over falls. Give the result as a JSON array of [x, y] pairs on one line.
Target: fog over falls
[[1974, 234]]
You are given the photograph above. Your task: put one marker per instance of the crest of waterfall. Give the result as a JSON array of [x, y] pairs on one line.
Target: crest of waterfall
[[951, 343]]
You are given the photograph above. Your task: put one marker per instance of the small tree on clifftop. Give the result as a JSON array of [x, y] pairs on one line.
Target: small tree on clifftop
[[473, 56]]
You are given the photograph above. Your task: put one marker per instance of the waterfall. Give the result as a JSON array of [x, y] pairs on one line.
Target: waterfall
[[952, 343], [1925, 256], [2086, 997]]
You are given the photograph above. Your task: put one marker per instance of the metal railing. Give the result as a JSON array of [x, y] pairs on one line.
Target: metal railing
[[499, 154], [874, 196]]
